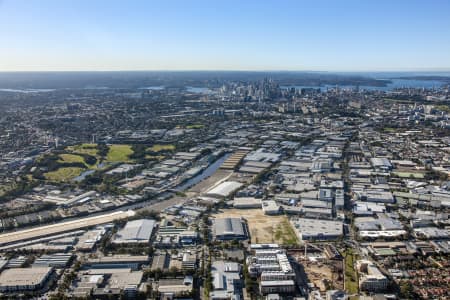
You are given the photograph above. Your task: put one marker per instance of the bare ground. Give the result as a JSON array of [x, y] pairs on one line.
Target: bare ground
[[263, 228]]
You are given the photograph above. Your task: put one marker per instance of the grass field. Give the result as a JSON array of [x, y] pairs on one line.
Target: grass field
[[389, 129], [263, 228], [195, 126], [71, 158], [63, 174], [90, 149], [158, 148], [351, 277], [116, 153], [284, 232], [409, 174], [119, 153]]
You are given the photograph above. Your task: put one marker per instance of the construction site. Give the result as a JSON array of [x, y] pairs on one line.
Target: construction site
[[322, 265]]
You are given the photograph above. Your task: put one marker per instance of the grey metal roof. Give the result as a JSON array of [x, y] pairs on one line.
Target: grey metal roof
[[138, 230], [229, 226]]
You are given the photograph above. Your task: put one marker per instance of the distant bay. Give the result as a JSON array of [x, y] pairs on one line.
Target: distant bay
[[395, 84]]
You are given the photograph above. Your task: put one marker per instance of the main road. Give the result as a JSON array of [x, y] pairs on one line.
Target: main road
[[165, 199]]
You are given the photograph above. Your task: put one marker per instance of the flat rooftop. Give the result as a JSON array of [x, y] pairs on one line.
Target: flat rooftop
[[277, 282], [313, 227], [224, 189], [137, 231], [229, 226], [24, 276]]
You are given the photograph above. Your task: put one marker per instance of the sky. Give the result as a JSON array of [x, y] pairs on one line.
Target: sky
[[318, 35]]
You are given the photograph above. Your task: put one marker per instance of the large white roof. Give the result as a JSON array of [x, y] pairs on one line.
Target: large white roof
[[224, 189], [135, 231], [24, 276]]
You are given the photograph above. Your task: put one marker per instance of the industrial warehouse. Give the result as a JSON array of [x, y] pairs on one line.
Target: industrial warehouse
[[135, 232], [229, 229], [24, 279], [310, 229]]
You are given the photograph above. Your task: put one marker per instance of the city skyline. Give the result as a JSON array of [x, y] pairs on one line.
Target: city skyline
[[177, 35]]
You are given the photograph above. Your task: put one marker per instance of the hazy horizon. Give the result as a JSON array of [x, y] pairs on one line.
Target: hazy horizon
[[429, 72], [174, 35]]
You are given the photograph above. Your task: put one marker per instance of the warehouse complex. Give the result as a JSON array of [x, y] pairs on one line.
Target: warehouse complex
[[24, 279], [312, 229], [135, 232]]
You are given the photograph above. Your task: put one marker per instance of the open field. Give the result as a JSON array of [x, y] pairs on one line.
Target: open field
[[389, 129], [285, 233], [116, 153], [90, 149], [71, 158], [351, 277], [263, 228], [84, 157], [119, 153], [195, 126], [63, 174], [159, 147]]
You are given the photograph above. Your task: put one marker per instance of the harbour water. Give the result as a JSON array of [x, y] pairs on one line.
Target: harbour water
[[395, 84]]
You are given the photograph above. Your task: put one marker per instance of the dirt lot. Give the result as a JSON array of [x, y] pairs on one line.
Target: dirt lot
[[317, 273], [263, 228]]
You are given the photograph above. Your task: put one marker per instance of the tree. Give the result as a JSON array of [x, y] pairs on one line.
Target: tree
[[435, 175], [406, 290], [174, 271], [139, 152], [103, 150]]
